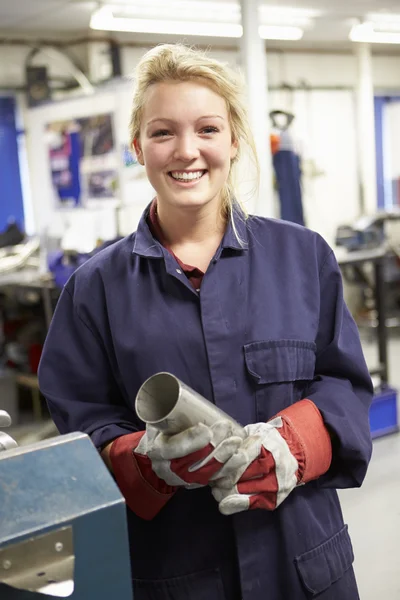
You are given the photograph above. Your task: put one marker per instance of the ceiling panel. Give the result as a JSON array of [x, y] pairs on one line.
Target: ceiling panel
[[341, 7], [52, 15], [69, 16]]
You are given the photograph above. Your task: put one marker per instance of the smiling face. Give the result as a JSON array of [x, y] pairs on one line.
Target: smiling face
[[186, 144]]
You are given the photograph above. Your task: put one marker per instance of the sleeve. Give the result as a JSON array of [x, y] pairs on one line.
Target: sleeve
[[82, 392], [342, 388], [77, 380]]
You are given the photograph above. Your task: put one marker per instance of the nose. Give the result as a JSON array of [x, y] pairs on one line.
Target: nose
[[186, 148]]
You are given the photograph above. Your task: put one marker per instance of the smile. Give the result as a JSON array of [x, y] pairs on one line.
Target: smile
[[187, 176]]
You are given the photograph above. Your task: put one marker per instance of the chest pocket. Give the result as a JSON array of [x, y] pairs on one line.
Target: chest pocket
[[280, 371]]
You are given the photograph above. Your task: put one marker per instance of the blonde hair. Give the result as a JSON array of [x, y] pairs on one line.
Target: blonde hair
[[177, 62]]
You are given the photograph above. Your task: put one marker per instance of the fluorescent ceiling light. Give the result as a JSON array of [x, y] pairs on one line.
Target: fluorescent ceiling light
[[137, 19], [174, 10], [280, 32], [180, 10], [173, 5], [369, 33], [104, 20]]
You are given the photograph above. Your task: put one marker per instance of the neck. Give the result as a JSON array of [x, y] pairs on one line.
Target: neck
[[181, 226]]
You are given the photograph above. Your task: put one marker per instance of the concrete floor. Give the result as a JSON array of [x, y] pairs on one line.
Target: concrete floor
[[373, 512]]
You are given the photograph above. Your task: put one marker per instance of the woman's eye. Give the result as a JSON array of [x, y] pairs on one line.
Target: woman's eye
[[161, 133], [209, 129]]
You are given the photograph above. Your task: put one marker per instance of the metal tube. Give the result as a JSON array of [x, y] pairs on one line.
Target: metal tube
[[172, 406]]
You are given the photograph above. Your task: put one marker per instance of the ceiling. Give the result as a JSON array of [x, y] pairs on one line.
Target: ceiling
[[52, 18]]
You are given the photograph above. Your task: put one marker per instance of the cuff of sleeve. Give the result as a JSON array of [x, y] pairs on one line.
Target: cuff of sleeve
[[309, 441], [141, 497]]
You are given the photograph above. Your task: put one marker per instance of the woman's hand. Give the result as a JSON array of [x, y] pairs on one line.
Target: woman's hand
[[150, 466], [189, 458], [290, 450]]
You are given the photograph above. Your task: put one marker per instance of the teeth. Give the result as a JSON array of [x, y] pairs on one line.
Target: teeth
[[183, 176]]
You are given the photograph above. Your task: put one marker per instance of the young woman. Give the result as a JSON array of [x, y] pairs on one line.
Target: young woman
[[247, 311]]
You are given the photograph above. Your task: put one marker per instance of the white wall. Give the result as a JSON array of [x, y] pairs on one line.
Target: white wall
[[297, 68], [339, 70]]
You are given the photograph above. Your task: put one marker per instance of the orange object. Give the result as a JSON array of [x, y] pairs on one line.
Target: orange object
[[275, 143]]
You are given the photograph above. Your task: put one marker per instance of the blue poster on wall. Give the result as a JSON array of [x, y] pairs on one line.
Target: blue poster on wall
[[64, 150], [83, 159]]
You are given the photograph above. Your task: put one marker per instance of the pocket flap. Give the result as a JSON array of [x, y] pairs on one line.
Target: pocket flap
[[321, 567], [278, 361]]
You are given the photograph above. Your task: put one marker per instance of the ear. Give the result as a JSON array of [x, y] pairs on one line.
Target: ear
[[234, 149], [138, 151]]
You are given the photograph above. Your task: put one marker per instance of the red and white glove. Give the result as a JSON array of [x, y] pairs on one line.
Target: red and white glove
[[150, 466], [290, 450]]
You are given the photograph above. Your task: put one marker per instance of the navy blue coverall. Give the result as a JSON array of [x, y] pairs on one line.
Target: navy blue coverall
[[268, 328]]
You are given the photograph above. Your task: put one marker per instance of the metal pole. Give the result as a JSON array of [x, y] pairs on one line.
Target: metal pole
[[254, 64], [366, 131], [381, 318]]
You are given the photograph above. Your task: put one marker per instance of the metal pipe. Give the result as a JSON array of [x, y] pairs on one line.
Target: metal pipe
[[172, 406]]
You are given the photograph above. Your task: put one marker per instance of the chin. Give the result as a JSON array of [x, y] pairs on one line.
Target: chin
[[192, 203], [192, 199]]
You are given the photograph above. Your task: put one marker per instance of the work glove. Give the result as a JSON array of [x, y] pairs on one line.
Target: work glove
[[150, 466], [274, 458], [6, 441]]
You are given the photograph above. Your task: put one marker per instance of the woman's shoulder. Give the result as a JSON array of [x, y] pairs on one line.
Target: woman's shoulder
[[105, 265], [286, 238], [279, 226]]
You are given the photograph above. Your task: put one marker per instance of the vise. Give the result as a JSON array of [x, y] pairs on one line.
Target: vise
[[63, 530]]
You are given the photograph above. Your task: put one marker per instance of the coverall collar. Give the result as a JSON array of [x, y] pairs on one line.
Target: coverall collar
[[145, 244]]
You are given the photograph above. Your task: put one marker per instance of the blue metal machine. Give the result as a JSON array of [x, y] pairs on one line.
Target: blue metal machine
[[63, 529]]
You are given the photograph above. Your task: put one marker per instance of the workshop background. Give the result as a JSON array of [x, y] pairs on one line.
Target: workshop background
[[323, 82]]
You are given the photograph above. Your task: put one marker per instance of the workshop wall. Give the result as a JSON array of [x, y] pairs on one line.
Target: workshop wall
[[324, 130], [313, 69], [325, 69], [308, 69]]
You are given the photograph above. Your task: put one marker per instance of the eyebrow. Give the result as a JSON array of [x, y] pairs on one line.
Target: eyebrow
[[172, 121]]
